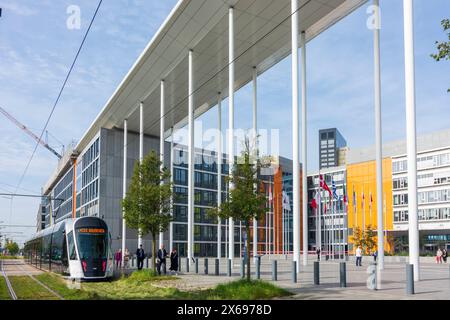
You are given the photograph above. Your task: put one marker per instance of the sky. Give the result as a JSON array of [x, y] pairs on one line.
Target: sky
[[37, 48]]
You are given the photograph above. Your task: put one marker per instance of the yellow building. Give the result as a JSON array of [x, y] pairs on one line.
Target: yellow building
[[361, 180]]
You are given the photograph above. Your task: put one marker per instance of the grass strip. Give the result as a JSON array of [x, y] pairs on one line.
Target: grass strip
[[28, 289], [4, 293]]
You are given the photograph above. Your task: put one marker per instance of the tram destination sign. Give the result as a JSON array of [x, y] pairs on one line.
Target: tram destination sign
[[92, 230]]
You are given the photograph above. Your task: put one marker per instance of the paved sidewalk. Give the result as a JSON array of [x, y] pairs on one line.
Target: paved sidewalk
[[434, 284]]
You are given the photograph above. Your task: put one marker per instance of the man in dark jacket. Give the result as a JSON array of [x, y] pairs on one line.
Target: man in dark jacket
[[174, 260], [162, 254], [140, 255]]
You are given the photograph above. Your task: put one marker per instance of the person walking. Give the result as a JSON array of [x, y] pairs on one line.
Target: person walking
[[439, 256], [444, 255], [161, 259], [358, 254], [318, 254], [126, 258], [174, 260], [140, 255], [375, 254], [118, 258]]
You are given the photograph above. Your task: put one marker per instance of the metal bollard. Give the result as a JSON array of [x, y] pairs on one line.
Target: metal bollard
[[179, 263], [343, 274], [196, 265], [316, 273], [409, 279], [206, 265], [146, 262], [294, 271], [258, 268], [242, 268], [274, 270], [229, 268], [217, 266], [187, 264]]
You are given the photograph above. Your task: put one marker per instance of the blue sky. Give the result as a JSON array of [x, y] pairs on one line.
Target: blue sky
[[36, 50]]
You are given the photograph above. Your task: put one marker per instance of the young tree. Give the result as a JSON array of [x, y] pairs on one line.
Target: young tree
[[147, 205], [370, 239], [444, 46], [246, 201], [358, 237]]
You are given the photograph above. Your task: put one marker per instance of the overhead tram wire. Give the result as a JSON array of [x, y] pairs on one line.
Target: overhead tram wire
[[59, 94], [173, 108]]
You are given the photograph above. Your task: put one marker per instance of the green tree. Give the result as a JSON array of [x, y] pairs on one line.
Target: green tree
[[147, 205], [12, 247], [246, 201], [444, 46], [370, 239], [358, 237]]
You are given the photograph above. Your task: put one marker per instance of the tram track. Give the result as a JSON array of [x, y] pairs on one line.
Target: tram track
[[40, 283], [8, 283]]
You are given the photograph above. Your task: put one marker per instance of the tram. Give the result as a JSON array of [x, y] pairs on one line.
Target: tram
[[77, 248]]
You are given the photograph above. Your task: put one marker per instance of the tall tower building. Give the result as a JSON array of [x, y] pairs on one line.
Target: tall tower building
[[330, 142]]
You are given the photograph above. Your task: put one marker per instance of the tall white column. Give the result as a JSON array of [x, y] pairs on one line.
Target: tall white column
[[141, 149], [411, 136], [295, 133], [255, 137], [219, 175], [161, 143], [378, 139], [171, 181], [191, 160], [231, 121], [304, 155], [124, 185]]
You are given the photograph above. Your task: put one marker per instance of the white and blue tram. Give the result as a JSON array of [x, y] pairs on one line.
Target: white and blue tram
[[77, 248]]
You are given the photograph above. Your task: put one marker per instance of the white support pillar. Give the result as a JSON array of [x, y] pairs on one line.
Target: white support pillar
[[304, 155], [171, 181], [255, 136], [124, 186], [231, 121], [411, 145], [141, 149], [191, 151], [378, 139], [161, 144], [295, 133], [219, 175]]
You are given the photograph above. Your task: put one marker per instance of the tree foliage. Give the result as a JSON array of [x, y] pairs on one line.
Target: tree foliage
[[246, 200], [444, 46], [147, 205], [370, 239], [12, 248]]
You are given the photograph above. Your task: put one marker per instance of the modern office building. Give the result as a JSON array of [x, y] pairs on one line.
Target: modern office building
[[331, 145]]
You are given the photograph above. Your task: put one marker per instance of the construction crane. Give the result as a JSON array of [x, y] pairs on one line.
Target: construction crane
[[31, 134]]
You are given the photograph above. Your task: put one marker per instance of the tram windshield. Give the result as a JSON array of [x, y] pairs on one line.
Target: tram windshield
[[92, 243]]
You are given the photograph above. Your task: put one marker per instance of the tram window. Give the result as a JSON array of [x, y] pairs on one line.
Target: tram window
[[72, 252]]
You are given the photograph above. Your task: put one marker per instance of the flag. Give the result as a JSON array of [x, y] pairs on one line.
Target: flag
[[362, 200], [371, 200], [324, 185], [286, 202], [333, 186], [354, 198]]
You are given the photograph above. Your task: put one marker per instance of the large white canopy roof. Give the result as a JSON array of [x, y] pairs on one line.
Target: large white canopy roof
[[263, 36]]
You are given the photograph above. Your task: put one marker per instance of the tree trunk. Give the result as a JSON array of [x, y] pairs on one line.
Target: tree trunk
[[247, 252], [154, 251]]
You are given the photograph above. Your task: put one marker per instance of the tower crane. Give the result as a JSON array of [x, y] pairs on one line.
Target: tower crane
[[28, 131]]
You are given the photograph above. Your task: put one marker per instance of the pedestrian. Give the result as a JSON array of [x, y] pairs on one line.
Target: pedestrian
[[126, 258], [174, 260], [118, 258], [439, 256], [140, 255], [318, 254], [375, 254], [161, 259], [444, 255], [358, 254]]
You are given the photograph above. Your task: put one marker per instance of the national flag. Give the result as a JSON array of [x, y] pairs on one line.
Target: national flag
[[371, 200], [324, 185], [362, 201], [333, 186], [354, 198], [286, 201]]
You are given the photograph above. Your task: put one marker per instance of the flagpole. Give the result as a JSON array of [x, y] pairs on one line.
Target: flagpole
[[319, 220]]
